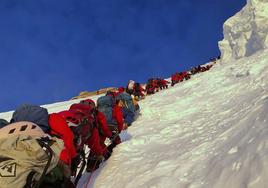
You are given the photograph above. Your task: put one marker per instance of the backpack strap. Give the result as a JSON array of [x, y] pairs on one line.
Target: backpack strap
[[45, 143], [30, 180]]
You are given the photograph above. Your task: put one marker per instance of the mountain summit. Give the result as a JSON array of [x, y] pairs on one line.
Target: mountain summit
[[246, 32]]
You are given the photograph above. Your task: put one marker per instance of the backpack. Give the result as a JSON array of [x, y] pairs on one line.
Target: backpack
[[86, 115], [129, 111], [127, 99], [128, 115], [105, 105], [21, 128], [26, 155], [32, 113]]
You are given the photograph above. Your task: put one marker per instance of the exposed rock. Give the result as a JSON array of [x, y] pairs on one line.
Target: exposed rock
[[85, 94]]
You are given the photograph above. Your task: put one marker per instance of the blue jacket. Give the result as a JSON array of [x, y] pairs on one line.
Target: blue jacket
[[129, 116]]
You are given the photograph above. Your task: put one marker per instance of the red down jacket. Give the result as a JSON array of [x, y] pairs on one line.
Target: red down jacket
[[118, 116], [60, 128]]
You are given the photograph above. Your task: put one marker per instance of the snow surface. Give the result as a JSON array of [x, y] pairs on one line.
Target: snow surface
[[207, 132], [246, 32]]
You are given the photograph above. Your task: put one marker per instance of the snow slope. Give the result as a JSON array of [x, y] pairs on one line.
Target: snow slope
[[208, 132]]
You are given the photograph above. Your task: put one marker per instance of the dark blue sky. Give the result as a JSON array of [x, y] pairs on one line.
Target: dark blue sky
[[50, 50]]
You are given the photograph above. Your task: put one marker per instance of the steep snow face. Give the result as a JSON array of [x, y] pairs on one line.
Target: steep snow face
[[246, 32], [208, 132]]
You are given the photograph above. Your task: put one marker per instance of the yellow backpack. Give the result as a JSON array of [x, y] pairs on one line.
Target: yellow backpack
[[26, 155]]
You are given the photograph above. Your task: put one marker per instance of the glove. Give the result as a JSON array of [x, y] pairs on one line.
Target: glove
[[111, 146], [100, 158], [107, 154], [114, 135], [125, 126], [66, 169]]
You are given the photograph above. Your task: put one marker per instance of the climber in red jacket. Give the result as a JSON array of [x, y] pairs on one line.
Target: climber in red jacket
[[60, 128], [96, 142], [101, 124], [163, 83]]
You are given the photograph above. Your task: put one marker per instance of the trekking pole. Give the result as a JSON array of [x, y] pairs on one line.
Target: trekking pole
[[88, 180], [81, 169]]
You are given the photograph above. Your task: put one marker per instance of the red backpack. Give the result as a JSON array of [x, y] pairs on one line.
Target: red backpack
[[86, 115]]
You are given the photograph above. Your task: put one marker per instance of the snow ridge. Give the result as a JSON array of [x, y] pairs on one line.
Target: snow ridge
[[246, 32]]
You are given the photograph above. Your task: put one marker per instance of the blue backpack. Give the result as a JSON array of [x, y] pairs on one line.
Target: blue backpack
[[129, 116], [32, 113], [129, 111], [105, 105], [127, 99]]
